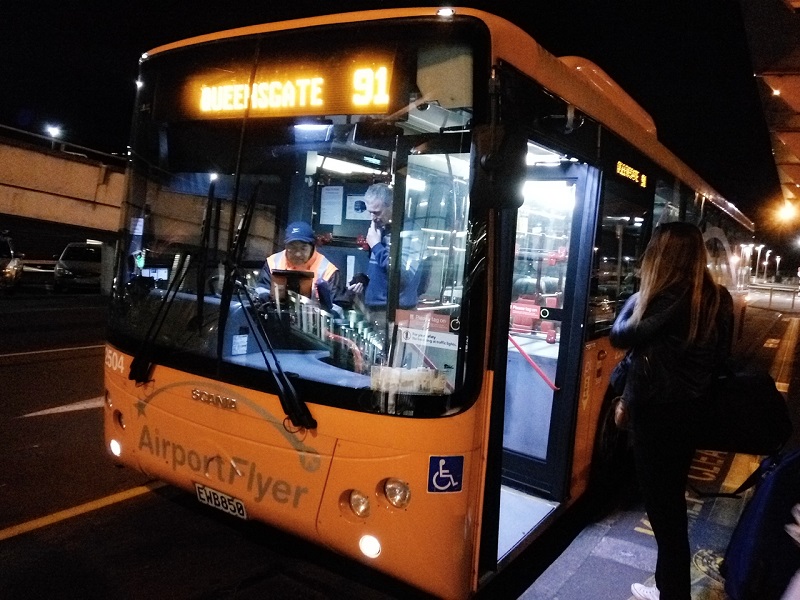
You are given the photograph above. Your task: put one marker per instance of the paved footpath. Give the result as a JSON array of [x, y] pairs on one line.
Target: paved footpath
[[609, 555]]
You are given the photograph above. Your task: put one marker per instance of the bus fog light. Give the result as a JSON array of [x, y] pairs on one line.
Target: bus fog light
[[397, 492], [115, 447], [369, 546], [359, 503]]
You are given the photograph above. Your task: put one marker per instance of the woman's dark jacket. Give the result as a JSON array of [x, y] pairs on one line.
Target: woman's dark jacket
[[663, 367]]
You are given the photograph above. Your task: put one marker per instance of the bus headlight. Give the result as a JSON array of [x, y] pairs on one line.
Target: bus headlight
[[397, 492], [115, 447], [359, 503], [369, 546]]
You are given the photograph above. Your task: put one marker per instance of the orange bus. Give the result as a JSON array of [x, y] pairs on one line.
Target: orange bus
[[435, 435]]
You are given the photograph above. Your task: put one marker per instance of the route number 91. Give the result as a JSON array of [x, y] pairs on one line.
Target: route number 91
[[371, 87]]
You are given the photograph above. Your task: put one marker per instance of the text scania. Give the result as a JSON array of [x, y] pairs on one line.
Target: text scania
[[214, 399], [260, 485], [274, 95]]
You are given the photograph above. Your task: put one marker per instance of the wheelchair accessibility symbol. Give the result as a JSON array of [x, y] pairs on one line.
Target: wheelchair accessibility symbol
[[445, 474]]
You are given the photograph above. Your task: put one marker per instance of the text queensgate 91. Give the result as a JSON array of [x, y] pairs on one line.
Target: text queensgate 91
[[335, 91]]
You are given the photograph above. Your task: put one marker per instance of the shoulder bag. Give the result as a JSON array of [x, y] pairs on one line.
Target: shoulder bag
[[744, 412]]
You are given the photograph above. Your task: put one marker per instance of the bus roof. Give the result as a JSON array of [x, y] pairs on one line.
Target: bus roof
[[575, 80]]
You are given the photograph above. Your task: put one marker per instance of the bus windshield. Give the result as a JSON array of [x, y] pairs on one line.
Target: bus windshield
[[236, 139]]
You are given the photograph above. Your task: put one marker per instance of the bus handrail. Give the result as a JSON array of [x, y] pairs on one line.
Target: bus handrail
[[532, 363]]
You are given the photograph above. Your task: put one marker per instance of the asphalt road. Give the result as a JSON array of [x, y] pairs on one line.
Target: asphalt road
[[33, 318], [73, 525]]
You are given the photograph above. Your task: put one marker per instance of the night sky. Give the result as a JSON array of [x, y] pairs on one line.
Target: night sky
[[685, 62]]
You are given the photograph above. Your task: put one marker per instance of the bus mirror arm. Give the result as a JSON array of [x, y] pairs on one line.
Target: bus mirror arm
[[501, 166]]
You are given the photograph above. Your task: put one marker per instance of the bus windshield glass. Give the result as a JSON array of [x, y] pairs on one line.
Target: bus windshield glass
[[353, 143]]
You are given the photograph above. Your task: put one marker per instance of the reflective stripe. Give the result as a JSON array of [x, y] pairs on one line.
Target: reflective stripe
[[326, 269], [277, 261]]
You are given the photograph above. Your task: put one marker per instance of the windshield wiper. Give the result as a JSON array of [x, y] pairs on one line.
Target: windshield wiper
[[292, 405], [295, 409], [234, 258], [141, 365], [202, 267]]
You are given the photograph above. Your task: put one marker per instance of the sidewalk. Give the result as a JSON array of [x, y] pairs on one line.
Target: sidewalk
[[609, 555]]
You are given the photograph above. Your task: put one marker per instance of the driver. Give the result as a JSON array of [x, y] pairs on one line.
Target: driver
[[300, 254]]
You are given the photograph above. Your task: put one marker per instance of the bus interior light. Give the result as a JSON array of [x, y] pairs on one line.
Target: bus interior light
[[397, 492], [359, 503], [312, 132], [369, 546], [341, 166]]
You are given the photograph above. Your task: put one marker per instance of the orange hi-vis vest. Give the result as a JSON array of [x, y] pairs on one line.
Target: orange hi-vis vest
[[318, 264]]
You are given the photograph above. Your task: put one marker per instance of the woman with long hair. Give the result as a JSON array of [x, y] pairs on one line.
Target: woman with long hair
[[679, 329]]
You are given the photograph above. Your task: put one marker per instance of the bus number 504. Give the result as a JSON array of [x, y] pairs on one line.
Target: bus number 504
[[371, 87], [114, 361]]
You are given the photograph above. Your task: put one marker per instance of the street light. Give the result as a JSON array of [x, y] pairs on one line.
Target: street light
[[745, 267], [766, 262], [758, 259], [787, 212], [777, 267], [54, 131], [734, 266]]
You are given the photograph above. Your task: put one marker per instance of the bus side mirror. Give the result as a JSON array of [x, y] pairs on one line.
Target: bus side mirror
[[499, 166]]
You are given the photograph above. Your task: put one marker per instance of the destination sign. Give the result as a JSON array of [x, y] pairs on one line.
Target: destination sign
[[344, 86], [629, 172]]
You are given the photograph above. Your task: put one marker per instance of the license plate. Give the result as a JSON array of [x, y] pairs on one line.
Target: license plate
[[224, 502]]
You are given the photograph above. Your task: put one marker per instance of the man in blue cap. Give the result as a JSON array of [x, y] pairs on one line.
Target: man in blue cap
[[300, 254]]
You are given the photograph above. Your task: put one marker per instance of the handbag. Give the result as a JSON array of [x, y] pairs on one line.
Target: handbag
[[745, 413], [619, 374]]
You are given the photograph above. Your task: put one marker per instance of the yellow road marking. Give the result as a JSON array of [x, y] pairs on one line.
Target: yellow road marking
[[781, 369], [75, 511]]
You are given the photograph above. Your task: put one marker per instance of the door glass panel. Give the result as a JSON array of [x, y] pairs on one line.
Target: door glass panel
[[537, 301]]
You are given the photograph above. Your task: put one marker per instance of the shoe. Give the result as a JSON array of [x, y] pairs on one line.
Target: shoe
[[645, 592]]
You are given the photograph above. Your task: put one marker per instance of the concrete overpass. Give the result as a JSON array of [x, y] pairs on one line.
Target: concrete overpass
[[52, 193]]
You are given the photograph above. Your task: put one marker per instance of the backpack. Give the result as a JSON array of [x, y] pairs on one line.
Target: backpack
[[761, 557]]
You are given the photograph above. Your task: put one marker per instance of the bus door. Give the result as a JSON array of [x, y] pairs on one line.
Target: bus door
[[552, 234]]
